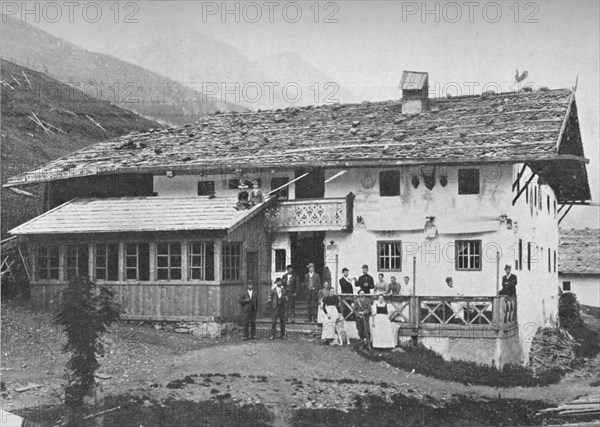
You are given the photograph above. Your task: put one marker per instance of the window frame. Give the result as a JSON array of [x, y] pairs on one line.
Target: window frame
[[169, 257], [280, 267], [463, 191], [47, 267], [566, 283], [394, 178], [204, 263], [106, 256], [381, 245], [80, 248], [209, 183], [227, 257], [284, 194], [137, 266], [457, 257]]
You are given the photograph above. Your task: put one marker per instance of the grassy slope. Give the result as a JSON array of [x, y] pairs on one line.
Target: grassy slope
[[25, 145]]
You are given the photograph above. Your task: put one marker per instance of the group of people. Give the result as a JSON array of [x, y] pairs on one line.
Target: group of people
[[248, 200], [373, 319]]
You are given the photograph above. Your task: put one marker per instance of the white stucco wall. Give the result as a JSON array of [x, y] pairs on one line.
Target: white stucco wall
[[187, 185], [457, 217], [586, 287]]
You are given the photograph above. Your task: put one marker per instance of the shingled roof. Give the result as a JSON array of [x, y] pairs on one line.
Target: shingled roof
[[579, 251], [507, 127]]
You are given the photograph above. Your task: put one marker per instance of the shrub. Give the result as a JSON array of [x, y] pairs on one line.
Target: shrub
[[568, 310], [85, 314]]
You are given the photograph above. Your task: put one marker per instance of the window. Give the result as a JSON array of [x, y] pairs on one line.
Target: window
[[206, 188], [76, 261], [280, 258], [566, 286], [278, 182], [468, 254], [526, 196], [554, 203], [529, 256], [168, 261], [107, 261], [48, 262], [137, 261], [548, 203], [468, 181], [519, 262], [201, 261], [389, 183], [389, 256], [555, 261], [232, 261], [549, 261], [535, 196]]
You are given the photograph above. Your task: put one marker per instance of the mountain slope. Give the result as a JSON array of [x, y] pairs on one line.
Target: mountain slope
[[73, 120], [111, 79]]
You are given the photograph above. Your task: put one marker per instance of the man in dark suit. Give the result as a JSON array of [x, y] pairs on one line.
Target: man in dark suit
[[278, 301], [362, 313], [312, 285], [249, 303], [365, 282], [291, 285], [509, 283]]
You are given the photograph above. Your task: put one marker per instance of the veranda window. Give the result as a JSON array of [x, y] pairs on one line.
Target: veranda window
[[48, 262], [232, 261], [137, 261], [201, 264], [168, 261], [107, 261], [76, 261]]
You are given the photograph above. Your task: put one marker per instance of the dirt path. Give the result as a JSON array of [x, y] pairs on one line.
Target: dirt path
[[284, 375]]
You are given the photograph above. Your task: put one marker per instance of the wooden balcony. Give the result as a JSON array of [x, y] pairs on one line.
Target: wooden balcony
[[311, 215], [456, 317]]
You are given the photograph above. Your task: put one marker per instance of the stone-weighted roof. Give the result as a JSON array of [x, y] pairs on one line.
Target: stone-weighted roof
[[579, 251], [507, 127]]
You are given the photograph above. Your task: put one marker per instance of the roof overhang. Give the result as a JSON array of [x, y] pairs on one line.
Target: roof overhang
[[140, 215]]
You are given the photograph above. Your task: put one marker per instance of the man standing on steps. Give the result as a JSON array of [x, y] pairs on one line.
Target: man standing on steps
[[291, 285], [278, 300], [249, 303], [312, 284]]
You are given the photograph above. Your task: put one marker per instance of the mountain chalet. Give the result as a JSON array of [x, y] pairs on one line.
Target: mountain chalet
[[425, 188]]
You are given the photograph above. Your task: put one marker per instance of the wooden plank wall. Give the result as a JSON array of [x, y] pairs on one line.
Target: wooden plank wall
[[252, 234]]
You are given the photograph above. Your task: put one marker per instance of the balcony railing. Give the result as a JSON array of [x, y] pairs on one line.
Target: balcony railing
[[311, 215], [447, 316]]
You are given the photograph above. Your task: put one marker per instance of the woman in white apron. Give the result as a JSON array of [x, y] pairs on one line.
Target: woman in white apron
[[331, 315], [383, 331]]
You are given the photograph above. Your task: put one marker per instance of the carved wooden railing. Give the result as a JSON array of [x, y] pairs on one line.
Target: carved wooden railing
[[417, 312], [311, 214]]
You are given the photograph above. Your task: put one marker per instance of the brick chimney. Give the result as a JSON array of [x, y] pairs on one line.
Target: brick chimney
[[415, 88]]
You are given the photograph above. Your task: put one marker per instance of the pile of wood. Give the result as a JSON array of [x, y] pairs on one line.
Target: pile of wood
[[552, 348], [587, 407]]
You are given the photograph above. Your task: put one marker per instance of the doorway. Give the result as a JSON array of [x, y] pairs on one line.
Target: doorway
[[252, 267], [311, 186], [308, 247]]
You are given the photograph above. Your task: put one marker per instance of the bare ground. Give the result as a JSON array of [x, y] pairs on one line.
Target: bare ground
[[282, 375]]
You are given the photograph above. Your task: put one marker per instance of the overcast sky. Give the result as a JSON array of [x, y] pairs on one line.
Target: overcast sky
[[365, 45]]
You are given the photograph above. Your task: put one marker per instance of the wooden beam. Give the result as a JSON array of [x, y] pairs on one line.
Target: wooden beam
[[565, 214], [525, 187], [519, 176]]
